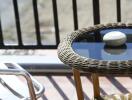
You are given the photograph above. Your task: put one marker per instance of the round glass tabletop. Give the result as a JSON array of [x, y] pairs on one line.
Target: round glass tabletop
[[92, 46]]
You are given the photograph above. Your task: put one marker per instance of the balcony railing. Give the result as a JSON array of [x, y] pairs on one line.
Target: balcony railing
[[38, 42]]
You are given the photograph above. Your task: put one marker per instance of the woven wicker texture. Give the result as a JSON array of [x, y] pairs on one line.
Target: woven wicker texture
[[69, 57], [115, 97]]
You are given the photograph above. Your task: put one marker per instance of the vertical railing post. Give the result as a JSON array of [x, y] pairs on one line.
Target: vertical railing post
[[17, 20], [36, 18], [96, 16], [56, 24], [75, 15], [96, 12], [118, 6], [1, 34]]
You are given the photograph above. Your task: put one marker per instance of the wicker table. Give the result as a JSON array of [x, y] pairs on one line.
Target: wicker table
[[84, 50]]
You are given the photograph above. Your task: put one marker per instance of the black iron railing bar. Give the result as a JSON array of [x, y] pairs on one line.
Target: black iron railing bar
[[56, 22], [96, 12], [36, 19], [75, 14], [118, 6], [96, 18], [1, 34], [17, 20]]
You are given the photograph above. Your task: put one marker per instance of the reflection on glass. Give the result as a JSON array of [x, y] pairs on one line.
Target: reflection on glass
[[115, 50], [118, 53], [87, 46]]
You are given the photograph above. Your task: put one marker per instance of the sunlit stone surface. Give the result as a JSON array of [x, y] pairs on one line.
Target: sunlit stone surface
[[114, 38]]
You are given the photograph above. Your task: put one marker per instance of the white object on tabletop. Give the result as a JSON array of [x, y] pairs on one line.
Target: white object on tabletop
[[114, 38]]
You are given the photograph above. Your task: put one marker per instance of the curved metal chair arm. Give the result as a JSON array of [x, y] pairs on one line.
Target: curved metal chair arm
[[39, 87], [32, 83]]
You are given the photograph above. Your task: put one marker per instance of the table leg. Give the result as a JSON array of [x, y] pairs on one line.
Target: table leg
[[78, 84], [95, 80]]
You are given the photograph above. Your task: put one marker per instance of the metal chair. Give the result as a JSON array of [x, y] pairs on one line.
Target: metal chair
[[9, 71]]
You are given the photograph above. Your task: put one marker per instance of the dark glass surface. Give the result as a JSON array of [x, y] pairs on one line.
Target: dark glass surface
[[92, 46]]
